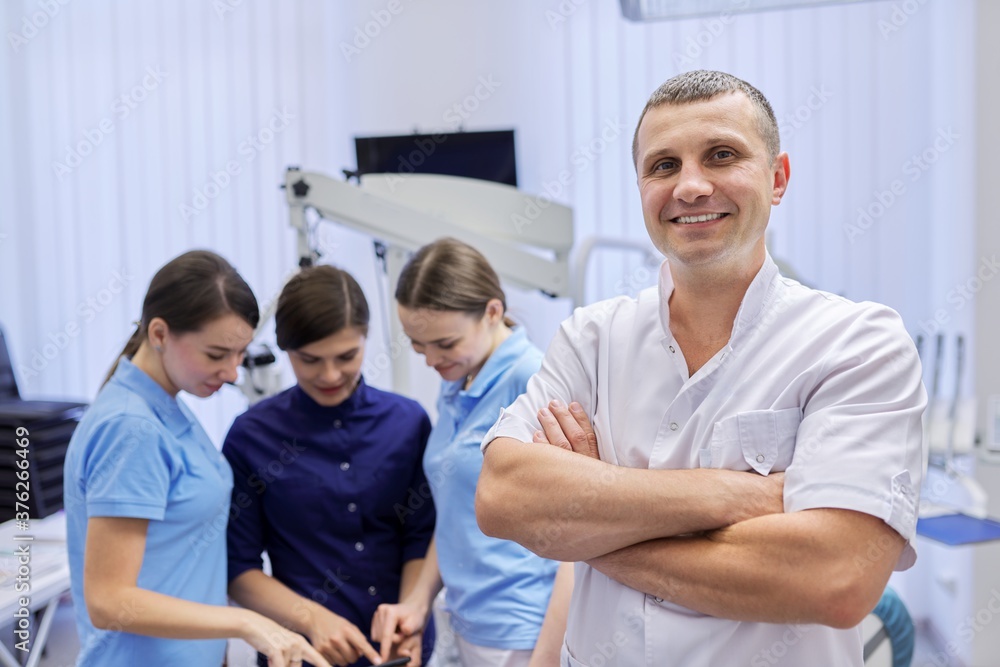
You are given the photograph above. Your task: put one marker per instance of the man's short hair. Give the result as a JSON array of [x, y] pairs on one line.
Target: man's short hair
[[701, 85]]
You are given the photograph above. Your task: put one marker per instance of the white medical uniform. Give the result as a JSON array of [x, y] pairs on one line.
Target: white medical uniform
[[827, 390]]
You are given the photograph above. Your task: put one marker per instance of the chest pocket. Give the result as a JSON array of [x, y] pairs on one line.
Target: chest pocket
[[761, 439]]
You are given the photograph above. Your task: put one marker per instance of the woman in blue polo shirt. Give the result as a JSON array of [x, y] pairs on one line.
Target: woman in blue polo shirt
[[500, 596], [328, 480], [146, 491]]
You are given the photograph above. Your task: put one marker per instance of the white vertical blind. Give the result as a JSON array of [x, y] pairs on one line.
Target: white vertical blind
[[77, 251]]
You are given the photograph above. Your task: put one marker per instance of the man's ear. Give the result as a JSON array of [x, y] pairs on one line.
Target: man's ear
[[782, 172]]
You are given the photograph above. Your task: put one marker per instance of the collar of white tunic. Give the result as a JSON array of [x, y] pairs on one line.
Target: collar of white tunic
[[750, 309]]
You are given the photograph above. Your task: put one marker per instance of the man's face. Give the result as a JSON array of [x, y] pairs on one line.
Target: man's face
[[707, 183]]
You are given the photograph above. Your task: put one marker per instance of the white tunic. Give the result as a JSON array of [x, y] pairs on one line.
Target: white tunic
[[827, 390]]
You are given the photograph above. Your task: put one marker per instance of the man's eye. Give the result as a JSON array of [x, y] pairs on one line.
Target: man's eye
[[348, 356], [448, 346], [724, 154], [666, 165], [216, 357]]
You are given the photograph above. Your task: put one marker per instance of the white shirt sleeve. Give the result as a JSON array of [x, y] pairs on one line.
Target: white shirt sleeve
[[568, 373], [860, 443]]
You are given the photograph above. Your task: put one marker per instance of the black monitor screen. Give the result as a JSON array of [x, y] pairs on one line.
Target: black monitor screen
[[485, 155]]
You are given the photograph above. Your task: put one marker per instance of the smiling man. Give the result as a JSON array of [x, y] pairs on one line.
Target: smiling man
[[732, 459]]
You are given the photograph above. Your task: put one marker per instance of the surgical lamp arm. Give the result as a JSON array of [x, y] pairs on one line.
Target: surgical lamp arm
[[408, 228]]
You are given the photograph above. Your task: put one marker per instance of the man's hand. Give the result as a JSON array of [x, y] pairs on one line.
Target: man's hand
[[568, 428], [763, 495], [339, 640]]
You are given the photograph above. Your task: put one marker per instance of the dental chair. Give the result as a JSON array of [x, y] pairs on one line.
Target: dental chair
[[888, 633], [48, 425]]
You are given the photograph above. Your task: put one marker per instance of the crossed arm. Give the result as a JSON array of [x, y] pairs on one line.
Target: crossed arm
[[714, 541]]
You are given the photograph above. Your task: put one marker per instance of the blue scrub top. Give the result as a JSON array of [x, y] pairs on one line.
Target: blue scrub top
[[497, 591], [140, 453], [335, 495]]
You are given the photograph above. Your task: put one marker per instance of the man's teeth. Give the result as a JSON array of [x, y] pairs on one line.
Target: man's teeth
[[689, 219]]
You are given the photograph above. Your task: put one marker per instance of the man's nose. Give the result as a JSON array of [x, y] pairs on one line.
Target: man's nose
[[692, 183]]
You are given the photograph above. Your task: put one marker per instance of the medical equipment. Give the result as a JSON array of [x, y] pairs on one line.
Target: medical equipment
[[722, 10], [581, 262], [949, 431], [489, 155], [889, 633], [527, 239], [35, 435]]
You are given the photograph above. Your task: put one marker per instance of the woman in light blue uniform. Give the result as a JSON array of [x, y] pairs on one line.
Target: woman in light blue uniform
[[500, 596], [147, 494]]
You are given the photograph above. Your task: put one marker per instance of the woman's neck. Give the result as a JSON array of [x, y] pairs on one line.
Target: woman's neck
[[502, 333], [150, 363]]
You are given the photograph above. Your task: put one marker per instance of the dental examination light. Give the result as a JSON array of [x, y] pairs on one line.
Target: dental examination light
[[527, 239], [665, 10]]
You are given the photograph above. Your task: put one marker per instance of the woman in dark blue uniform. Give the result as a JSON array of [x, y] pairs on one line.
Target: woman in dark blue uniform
[[328, 480]]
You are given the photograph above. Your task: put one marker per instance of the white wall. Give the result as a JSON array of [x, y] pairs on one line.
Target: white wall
[[563, 78], [986, 644]]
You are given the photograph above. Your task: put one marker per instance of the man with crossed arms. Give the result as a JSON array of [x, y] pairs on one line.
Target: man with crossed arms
[[752, 474]]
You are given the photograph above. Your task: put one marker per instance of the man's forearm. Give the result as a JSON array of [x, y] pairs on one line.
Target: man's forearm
[[569, 507], [816, 566]]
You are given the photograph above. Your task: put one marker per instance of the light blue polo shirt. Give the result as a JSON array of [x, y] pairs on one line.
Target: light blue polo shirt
[[497, 591], [140, 453]]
